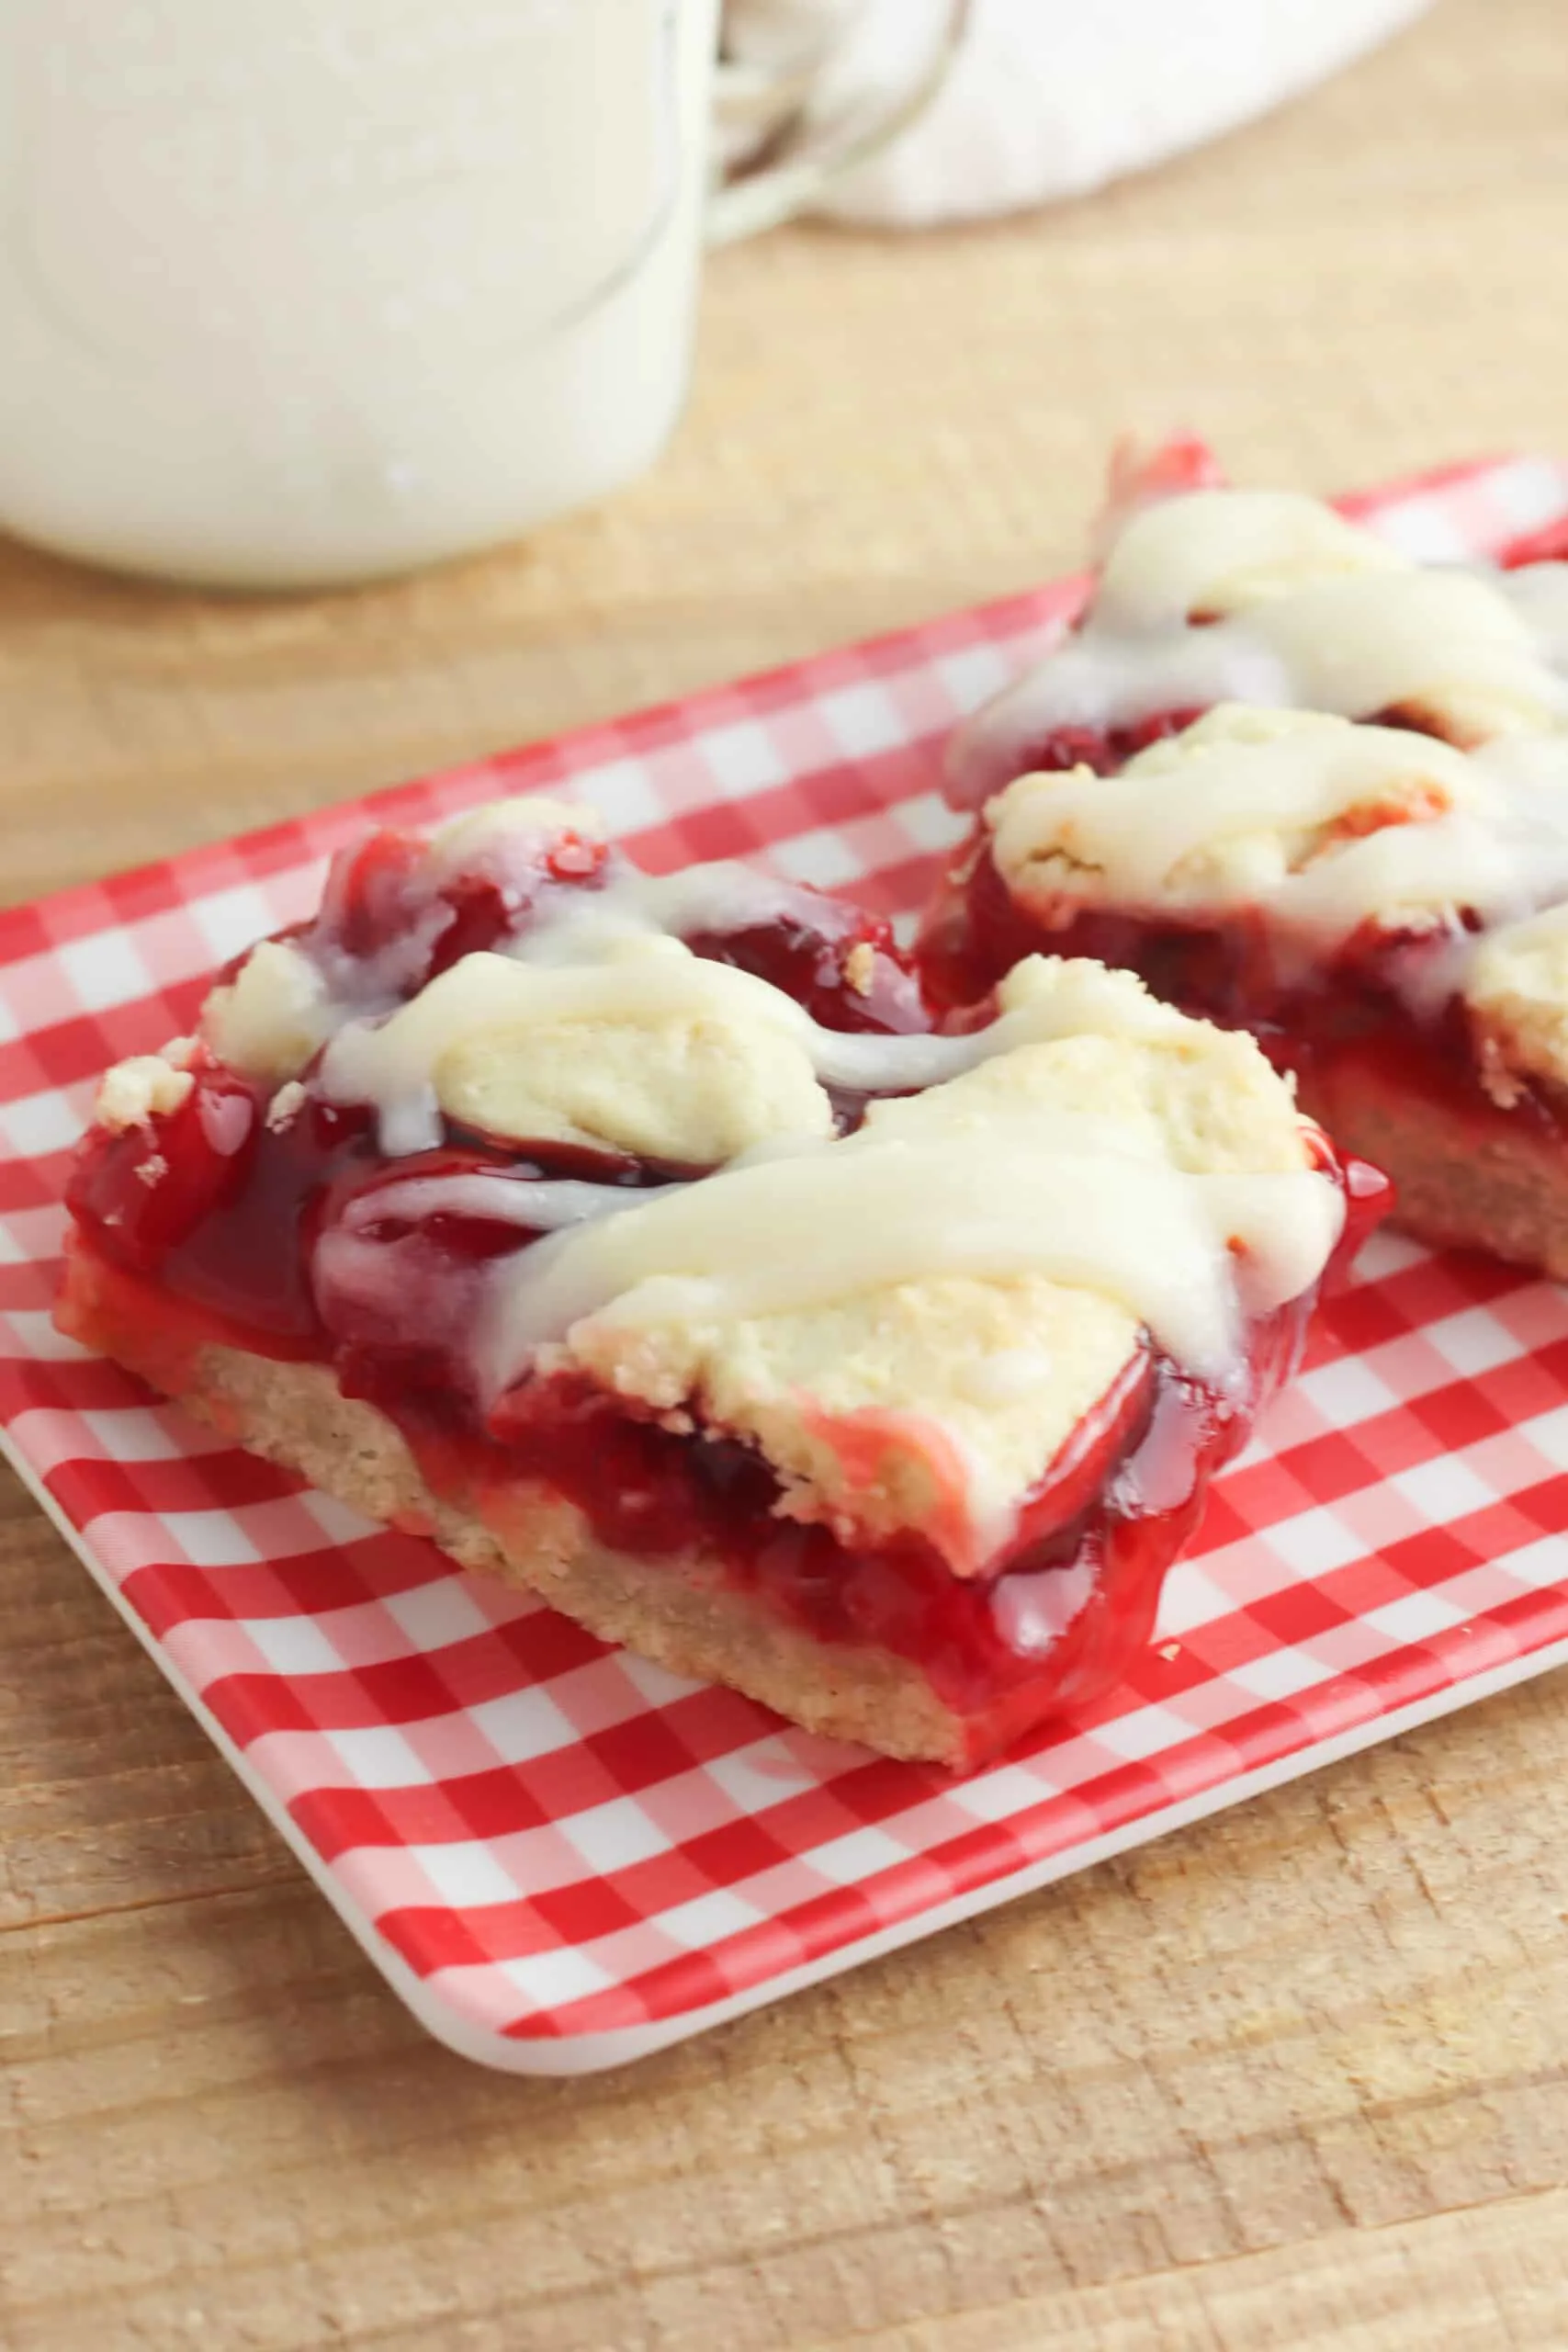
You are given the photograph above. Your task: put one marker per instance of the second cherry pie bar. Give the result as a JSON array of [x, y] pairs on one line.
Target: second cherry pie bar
[[1383, 905], [1388, 915], [1207, 595], [645, 1242]]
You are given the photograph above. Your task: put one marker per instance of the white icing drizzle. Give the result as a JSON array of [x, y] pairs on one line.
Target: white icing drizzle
[[394, 1063], [483, 840], [1187, 1255], [292, 998], [540, 1205], [1430, 640], [408, 1283], [1216, 551], [581, 925], [586, 924], [1220, 821], [1314, 614], [1543, 930], [1538, 592], [797, 1222], [604, 956]]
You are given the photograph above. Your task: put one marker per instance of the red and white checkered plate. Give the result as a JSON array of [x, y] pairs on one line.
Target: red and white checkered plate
[[561, 1857]]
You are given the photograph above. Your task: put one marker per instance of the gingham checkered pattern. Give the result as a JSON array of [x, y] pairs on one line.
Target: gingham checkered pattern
[[561, 1841]]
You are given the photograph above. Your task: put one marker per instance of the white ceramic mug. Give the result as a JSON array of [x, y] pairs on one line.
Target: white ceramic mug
[[302, 291]]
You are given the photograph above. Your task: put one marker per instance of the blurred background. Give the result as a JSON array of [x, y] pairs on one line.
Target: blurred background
[[882, 423]]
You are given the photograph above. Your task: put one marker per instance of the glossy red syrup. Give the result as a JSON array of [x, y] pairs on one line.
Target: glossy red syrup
[[1103, 749], [1347, 1014], [1054, 1626], [1107, 750], [226, 1210], [205, 1223]]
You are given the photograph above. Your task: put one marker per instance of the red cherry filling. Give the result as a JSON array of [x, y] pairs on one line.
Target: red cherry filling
[[401, 919], [1313, 1018], [1107, 750], [1075, 1594], [1104, 749], [222, 1208], [1074, 1601], [844, 968], [227, 1209], [385, 911], [217, 1223], [374, 893], [1080, 1583], [973, 931]]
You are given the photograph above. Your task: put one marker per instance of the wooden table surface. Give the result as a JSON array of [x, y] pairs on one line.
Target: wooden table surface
[[1298, 2078]]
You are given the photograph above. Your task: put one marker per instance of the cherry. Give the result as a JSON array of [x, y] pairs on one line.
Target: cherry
[[818, 964], [149, 1186]]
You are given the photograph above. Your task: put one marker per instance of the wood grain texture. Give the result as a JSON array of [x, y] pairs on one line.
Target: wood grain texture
[[1295, 2079]]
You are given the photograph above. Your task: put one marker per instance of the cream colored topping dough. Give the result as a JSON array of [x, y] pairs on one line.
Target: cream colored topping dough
[[145, 1087], [596, 1027], [274, 1016], [1325, 827], [1213, 553], [910, 1321], [652, 1051], [1032, 1217], [1226, 595], [866, 1407], [1517, 989]]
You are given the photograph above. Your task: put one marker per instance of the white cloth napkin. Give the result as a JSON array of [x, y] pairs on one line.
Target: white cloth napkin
[[1046, 97]]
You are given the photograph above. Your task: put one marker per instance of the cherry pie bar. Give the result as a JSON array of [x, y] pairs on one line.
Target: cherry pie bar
[[1387, 914], [646, 1242], [1207, 595]]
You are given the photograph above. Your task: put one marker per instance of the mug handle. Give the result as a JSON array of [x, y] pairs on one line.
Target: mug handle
[[768, 104]]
